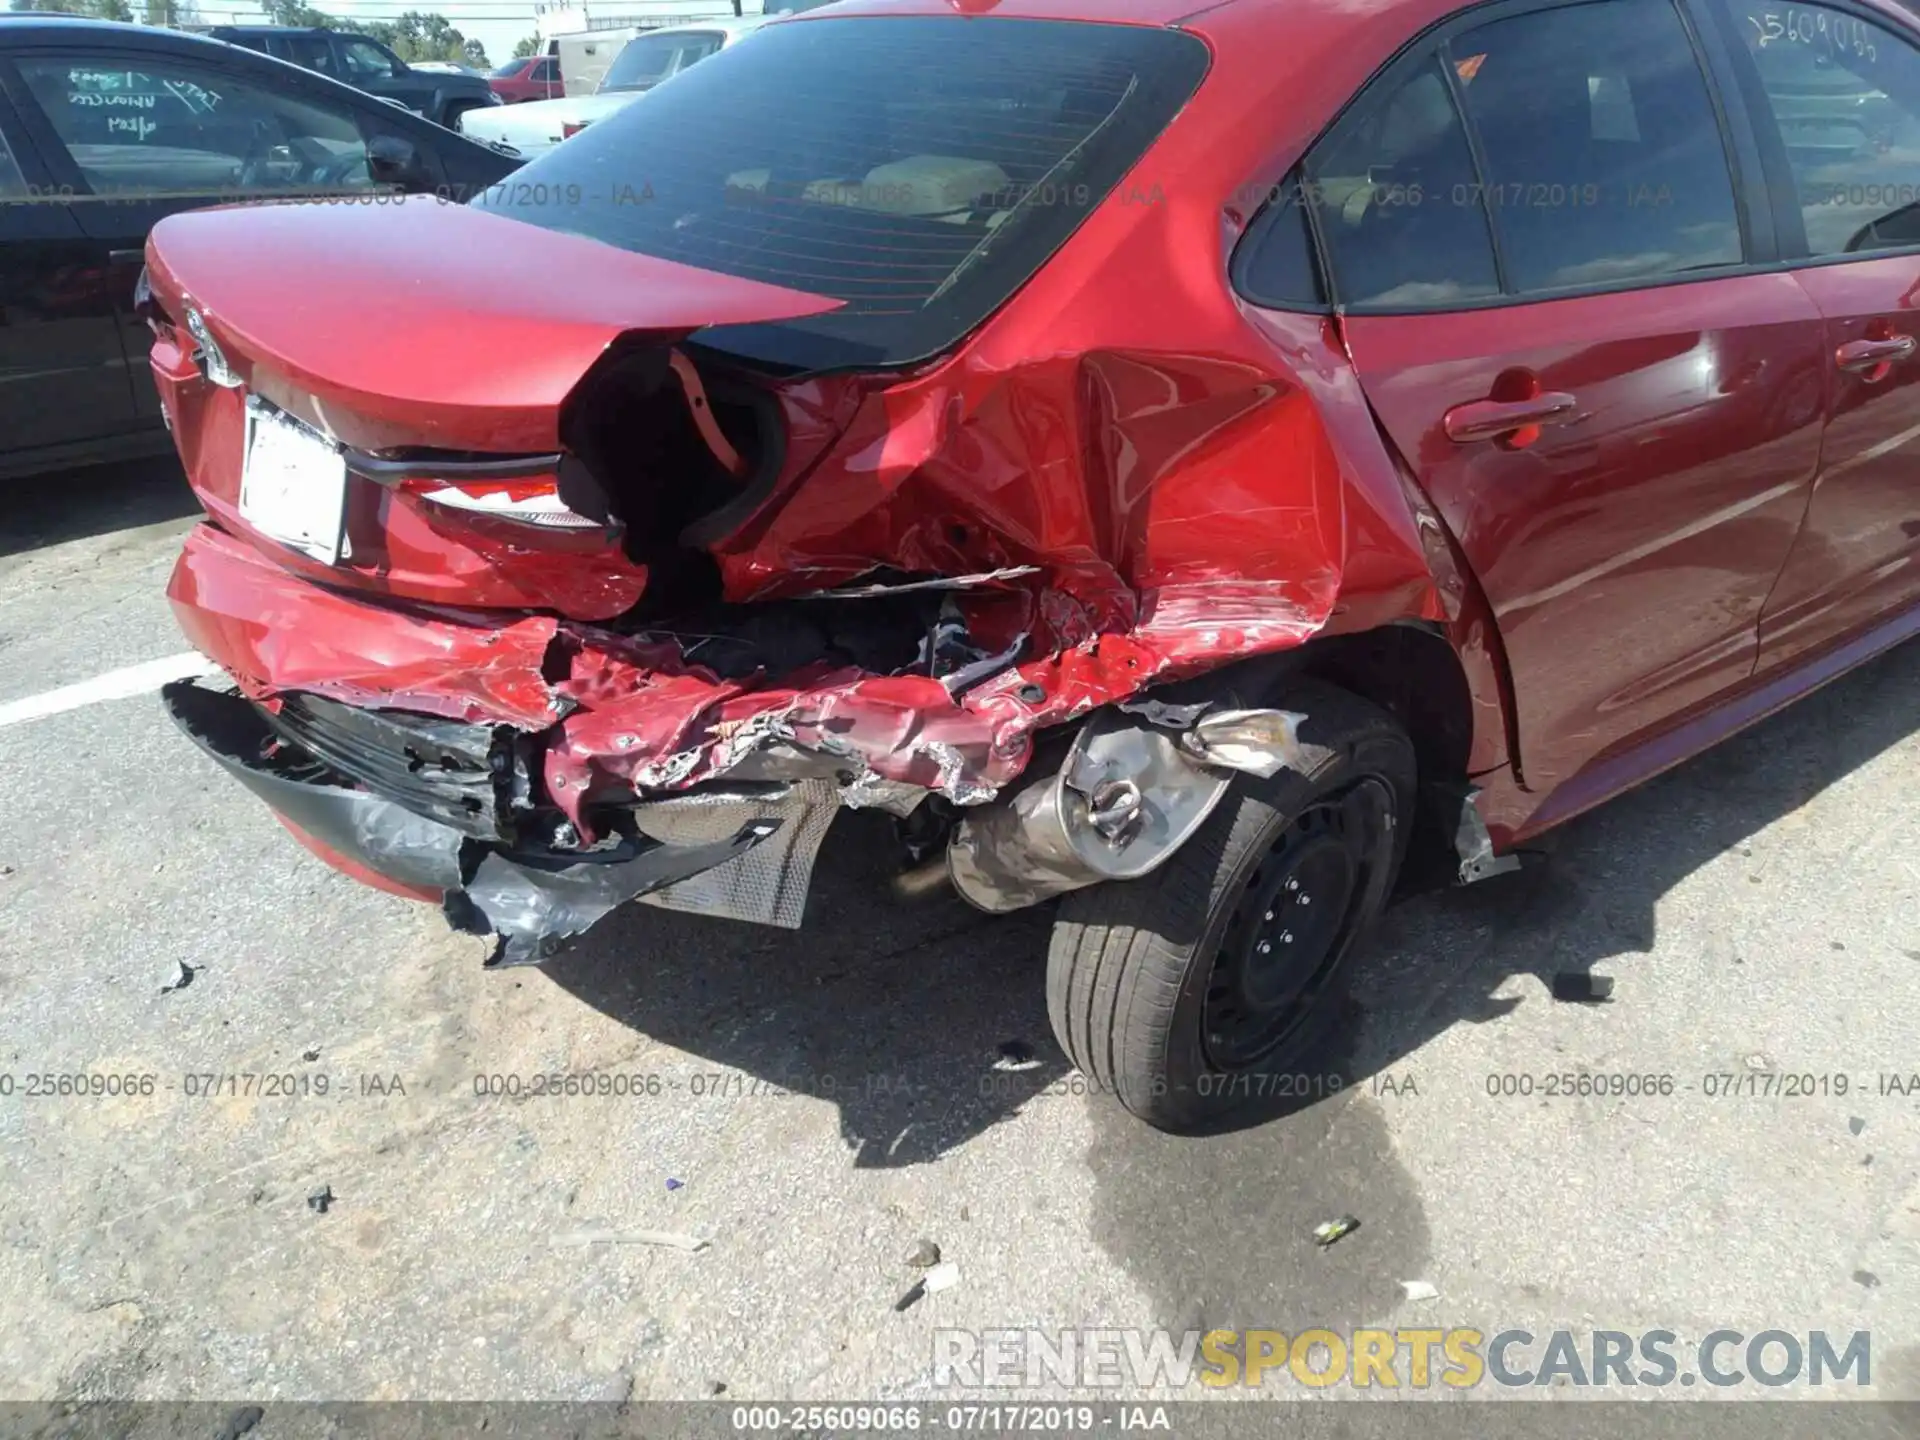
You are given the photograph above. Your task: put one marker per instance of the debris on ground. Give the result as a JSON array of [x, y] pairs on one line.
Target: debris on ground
[[943, 1276], [1866, 1278], [1577, 987], [1015, 1055], [605, 1235], [181, 980], [916, 1292], [1855, 1124], [924, 1255], [673, 1184], [5, 870], [320, 1200], [1759, 1062], [240, 1422], [1419, 1290], [1328, 1232], [716, 1387], [309, 1055]]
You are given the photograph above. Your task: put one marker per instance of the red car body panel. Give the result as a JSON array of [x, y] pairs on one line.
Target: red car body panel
[[1119, 447], [1858, 555], [1626, 553], [519, 85], [484, 324], [274, 631], [1195, 481]]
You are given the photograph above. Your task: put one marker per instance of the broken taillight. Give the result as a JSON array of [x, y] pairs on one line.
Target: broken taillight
[[571, 128], [526, 501]]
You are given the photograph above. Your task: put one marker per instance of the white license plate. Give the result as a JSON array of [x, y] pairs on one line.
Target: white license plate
[[293, 485]]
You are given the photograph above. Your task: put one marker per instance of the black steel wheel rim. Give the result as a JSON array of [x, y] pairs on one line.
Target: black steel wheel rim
[[1292, 925]]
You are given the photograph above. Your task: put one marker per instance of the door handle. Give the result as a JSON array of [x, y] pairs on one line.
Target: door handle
[[1517, 420], [1869, 356], [127, 257]]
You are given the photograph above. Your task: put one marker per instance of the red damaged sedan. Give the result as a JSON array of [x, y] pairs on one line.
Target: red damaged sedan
[[1194, 461]]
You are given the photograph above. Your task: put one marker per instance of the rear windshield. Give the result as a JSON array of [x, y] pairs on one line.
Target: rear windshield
[[651, 58], [920, 168]]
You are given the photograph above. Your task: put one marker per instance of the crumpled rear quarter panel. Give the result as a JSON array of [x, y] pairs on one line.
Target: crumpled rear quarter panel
[[1196, 482]]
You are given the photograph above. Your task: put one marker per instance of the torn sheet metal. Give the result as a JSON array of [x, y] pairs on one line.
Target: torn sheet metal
[[1142, 519], [1472, 842], [1112, 495], [938, 582], [1259, 742], [274, 632], [627, 716]]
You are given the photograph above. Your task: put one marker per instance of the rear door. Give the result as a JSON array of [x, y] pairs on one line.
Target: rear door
[[136, 135], [1836, 100], [63, 373], [1537, 232]]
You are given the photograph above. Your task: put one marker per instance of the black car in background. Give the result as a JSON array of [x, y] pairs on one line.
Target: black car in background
[[104, 130], [365, 64]]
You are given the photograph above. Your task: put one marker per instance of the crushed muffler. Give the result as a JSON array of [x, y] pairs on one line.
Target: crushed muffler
[[1135, 785]]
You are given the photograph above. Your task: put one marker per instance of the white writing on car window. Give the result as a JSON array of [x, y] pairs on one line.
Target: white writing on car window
[[1821, 30]]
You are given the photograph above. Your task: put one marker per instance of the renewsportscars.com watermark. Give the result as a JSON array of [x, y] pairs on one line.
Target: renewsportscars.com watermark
[[1406, 1358]]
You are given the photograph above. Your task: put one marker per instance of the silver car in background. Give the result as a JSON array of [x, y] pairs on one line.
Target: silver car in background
[[536, 127]]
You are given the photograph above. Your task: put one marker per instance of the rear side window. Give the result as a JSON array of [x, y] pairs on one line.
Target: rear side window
[[1600, 160], [1844, 97], [1604, 159], [919, 168], [1398, 199], [1276, 267]]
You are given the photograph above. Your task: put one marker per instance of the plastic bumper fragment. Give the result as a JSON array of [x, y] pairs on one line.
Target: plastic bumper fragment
[[532, 903]]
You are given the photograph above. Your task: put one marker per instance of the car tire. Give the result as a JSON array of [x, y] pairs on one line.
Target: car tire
[[1156, 987]]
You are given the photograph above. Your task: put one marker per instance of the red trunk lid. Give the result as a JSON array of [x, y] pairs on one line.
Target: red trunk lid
[[419, 322], [441, 335]]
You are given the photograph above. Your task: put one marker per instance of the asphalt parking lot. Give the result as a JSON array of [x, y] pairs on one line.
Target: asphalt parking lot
[[815, 1103]]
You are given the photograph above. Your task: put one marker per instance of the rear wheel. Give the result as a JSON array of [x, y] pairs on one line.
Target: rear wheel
[[1182, 992]]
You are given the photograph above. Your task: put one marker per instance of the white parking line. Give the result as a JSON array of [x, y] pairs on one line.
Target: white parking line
[[114, 685]]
